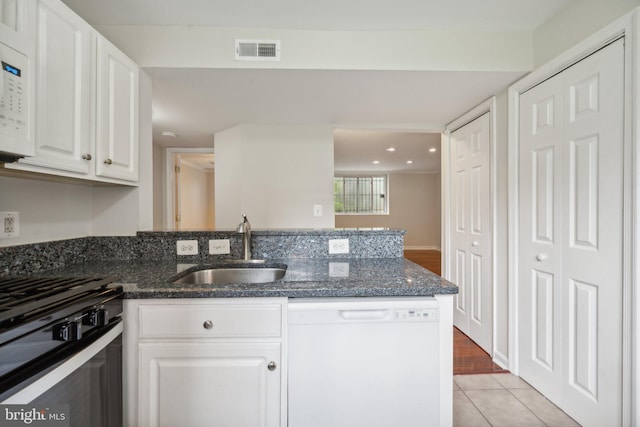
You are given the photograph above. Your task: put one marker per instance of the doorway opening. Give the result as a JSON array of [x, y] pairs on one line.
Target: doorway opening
[[190, 184], [408, 162]]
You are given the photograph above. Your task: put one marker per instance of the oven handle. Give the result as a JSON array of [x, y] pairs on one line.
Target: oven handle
[[35, 389]]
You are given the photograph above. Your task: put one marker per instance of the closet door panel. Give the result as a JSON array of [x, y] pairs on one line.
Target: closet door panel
[[592, 253], [540, 227], [471, 242], [570, 238]]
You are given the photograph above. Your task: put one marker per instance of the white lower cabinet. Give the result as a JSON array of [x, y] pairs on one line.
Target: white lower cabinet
[[204, 384], [205, 362]]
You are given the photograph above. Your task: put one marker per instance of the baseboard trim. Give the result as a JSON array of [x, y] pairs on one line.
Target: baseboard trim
[[422, 248], [501, 360]]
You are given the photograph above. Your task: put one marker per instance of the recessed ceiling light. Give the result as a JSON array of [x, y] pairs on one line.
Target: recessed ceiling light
[[391, 149], [171, 134], [409, 162], [375, 162], [432, 150]]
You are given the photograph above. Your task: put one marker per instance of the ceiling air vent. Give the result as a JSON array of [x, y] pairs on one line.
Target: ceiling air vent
[[257, 50]]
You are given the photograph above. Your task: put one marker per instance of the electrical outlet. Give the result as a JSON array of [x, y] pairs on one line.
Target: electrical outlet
[[219, 246], [338, 269], [187, 247], [338, 246], [317, 210], [9, 225]]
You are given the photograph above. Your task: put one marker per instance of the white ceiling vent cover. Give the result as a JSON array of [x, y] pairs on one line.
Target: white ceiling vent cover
[[257, 50]]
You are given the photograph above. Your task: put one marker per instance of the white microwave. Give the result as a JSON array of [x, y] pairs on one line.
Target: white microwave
[[16, 135]]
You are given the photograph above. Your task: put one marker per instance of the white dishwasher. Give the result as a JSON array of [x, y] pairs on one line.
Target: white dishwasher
[[357, 362]]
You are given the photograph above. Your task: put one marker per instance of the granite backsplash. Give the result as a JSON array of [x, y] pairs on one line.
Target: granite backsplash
[[151, 245]]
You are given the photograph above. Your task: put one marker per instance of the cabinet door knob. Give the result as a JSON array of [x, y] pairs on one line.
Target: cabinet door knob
[[108, 162], [475, 243], [86, 157], [208, 324], [271, 366], [541, 257]]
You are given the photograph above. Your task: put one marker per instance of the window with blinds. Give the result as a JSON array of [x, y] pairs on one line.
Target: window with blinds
[[360, 194]]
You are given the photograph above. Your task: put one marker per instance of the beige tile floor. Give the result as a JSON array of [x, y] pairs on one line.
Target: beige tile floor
[[502, 400]]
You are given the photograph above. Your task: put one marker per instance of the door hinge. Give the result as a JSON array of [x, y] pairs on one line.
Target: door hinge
[[177, 169], [178, 218]]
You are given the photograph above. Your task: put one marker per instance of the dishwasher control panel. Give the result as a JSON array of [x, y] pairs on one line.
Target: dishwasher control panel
[[415, 315]]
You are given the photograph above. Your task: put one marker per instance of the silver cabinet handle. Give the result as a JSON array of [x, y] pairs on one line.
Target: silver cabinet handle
[[208, 324], [475, 243], [108, 162], [271, 366], [541, 257], [86, 157]]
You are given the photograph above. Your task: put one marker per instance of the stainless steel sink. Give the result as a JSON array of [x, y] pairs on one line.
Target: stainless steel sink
[[228, 275]]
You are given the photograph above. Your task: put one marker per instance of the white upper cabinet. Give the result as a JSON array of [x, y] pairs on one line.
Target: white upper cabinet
[[117, 113], [15, 19], [86, 96], [64, 140]]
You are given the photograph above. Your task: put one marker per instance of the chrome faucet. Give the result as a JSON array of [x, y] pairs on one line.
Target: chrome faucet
[[245, 229]]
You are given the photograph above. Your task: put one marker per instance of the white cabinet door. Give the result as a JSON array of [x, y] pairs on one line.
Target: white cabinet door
[[13, 16], [470, 249], [571, 237], [205, 384], [64, 139], [117, 113], [87, 100]]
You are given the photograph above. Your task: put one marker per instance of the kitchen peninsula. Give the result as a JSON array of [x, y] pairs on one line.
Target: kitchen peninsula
[[197, 351]]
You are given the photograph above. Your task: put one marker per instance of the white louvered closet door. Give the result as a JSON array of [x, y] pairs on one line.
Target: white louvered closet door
[[571, 237], [470, 248]]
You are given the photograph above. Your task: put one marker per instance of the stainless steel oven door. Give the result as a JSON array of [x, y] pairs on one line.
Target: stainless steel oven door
[[90, 382]]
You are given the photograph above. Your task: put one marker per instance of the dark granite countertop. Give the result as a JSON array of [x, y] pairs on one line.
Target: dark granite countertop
[[305, 277]]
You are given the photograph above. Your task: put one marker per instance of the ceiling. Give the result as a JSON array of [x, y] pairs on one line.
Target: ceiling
[[467, 15], [196, 103], [357, 150]]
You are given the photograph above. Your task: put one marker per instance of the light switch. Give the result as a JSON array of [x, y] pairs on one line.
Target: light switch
[[219, 246]]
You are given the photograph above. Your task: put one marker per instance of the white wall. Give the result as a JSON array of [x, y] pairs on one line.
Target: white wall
[[158, 187], [55, 210], [48, 210], [145, 183], [574, 23], [414, 205], [501, 271], [274, 175], [211, 205], [196, 198], [182, 46]]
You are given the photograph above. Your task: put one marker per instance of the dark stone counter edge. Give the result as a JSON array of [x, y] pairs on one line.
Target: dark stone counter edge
[[282, 232], [282, 293]]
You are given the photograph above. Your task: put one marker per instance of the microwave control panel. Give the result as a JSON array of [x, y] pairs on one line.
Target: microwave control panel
[[13, 93]]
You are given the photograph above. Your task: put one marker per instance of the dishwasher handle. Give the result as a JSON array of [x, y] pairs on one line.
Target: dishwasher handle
[[364, 314]]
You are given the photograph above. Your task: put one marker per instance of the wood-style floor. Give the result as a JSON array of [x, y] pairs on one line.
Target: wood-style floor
[[425, 258], [468, 357]]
